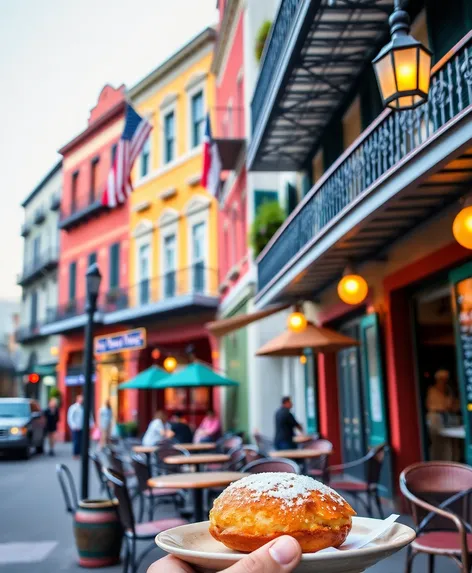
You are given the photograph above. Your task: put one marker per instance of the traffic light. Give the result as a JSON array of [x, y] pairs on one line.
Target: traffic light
[[33, 378]]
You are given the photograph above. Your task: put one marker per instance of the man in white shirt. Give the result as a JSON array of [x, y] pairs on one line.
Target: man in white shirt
[[75, 420]]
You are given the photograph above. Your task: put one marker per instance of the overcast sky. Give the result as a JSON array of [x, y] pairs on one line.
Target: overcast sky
[[55, 56]]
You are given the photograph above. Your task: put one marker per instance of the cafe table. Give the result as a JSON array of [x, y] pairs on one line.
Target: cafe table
[[197, 460], [202, 447], [197, 482], [302, 439], [300, 455]]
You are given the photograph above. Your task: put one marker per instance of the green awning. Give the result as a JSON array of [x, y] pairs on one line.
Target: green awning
[[41, 369], [145, 380], [196, 374]]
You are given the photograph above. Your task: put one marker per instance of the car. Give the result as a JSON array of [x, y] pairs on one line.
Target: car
[[22, 426]]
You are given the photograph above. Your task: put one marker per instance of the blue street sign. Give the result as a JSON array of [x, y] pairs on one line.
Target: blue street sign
[[127, 340]]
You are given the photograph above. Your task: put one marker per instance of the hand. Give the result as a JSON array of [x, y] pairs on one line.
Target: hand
[[279, 556]]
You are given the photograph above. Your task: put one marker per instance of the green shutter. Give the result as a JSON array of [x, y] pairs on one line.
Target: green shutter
[[72, 280], [261, 197], [307, 183], [292, 198], [92, 259], [114, 261], [333, 144]]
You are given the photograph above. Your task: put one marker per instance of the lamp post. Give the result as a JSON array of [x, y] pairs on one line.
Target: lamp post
[[93, 279]]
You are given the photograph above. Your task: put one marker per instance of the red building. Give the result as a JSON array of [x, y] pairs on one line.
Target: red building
[[90, 233]]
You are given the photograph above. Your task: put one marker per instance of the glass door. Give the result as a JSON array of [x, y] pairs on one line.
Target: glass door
[[144, 273], [198, 257]]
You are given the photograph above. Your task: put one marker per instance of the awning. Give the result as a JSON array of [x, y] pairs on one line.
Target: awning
[[41, 369], [145, 380], [194, 375], [315, 337], [227, 325]]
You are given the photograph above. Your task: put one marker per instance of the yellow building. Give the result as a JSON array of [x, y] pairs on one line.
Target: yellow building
[[173, 219]]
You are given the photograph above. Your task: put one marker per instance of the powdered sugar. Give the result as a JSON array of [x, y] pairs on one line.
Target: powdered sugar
[[290, 489]]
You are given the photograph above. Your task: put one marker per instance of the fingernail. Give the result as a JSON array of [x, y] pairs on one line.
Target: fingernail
[[284, 550]]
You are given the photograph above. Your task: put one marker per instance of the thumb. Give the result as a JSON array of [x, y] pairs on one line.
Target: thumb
[[279, 556]]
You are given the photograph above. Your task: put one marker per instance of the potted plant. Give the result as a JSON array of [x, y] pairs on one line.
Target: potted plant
[[268, 219], [261, 39]]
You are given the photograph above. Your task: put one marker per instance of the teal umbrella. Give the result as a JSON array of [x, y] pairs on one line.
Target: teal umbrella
[[145, 380], [193, 375]]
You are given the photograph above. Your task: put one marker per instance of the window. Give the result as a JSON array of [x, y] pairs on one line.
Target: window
[[198, 119], [74, 190], [169, 266], [114, 147], [92, 259], [198, 257], [36, 250], [114, 260], [72, 280], [143, 270], [145, 157], [93, 179], [169, 137], [34, 309]]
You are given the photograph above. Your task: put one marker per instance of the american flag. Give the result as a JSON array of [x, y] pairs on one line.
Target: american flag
[[134, 136], [211, 161]]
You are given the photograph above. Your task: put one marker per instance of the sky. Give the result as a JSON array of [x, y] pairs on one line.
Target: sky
[[55, 57]]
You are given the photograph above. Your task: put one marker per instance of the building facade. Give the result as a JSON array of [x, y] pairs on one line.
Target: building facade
[[91, 233], [382, 190], [173, 257], [38, 352]]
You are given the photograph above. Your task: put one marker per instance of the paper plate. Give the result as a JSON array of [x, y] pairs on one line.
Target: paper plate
[[194, 544]]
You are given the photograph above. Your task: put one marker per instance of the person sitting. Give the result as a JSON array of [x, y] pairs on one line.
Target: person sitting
[[209, 430], [157, 430], [182, 432]]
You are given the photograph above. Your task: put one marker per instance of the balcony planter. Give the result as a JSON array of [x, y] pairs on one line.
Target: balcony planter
[[269, 218], [98, 533], [261, 39]]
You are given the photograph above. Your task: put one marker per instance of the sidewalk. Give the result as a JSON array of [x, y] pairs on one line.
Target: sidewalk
[[36, 533]]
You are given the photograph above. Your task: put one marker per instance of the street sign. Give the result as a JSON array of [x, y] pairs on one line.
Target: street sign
[[127, 340]]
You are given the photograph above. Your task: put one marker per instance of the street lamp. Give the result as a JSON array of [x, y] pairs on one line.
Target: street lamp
[[403, 66], [93, 279]]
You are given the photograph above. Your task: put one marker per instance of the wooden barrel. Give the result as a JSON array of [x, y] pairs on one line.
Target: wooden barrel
[[98, 533]]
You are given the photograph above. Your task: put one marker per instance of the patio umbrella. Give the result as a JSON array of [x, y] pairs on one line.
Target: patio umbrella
[[315, 337], [145, 380], [193, 375]]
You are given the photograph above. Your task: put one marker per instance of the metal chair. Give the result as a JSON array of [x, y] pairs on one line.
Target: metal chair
[[134, 532], [166, 451], [152, 495], [318, 467], [272, 465], [97, 463], [69, 491], [264, 444], [227, 443], [439, 494], [372, 465], [252, 454], [237, 461]]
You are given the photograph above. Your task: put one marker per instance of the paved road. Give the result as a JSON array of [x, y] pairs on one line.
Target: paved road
[[36, 533]]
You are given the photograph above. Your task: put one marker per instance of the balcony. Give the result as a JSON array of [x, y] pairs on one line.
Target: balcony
[[44, 262], [55, 201], [66, 317], [184, 291], [25, 229], [39, 215], [79, 211], [403, 169], [229, 135], [311, 62], [28, 333]]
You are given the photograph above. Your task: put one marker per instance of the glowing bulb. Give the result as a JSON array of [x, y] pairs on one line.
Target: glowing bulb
[[352, 289], [170, 364], [462, 227], [302, 359], [297, 322]]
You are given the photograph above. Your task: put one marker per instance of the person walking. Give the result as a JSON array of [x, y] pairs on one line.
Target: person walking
[[75, 421], [52, 418], [285, 424], [105, 420]]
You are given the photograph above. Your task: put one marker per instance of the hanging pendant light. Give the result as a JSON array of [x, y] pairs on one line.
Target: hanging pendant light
[[352, 288], [170, 364], [296, 321], [403, 66], [462, 225]]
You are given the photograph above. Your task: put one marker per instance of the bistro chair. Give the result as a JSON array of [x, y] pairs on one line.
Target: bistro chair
[[146, 493], [318, 467], [134, 532], [166, 451], [69, 491], [97, 464], [371, 464], [237, 461], [264, 444], [272, 465], [252, 454], [227, 443], [439, 494]]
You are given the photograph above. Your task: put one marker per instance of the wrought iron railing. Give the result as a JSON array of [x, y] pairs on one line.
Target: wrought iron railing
[[69, 309], [272, 54], [47, 259], [24, 333], [390, 138], [78, 209]]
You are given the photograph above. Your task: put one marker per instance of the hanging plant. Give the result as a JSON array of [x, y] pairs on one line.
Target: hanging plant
[[261, 38], [268, 219]]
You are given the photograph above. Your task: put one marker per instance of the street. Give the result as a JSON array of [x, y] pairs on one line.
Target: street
[[36, 531]]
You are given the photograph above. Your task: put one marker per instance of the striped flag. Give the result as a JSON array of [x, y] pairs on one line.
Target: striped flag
[[134, 136], [211, 162]]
